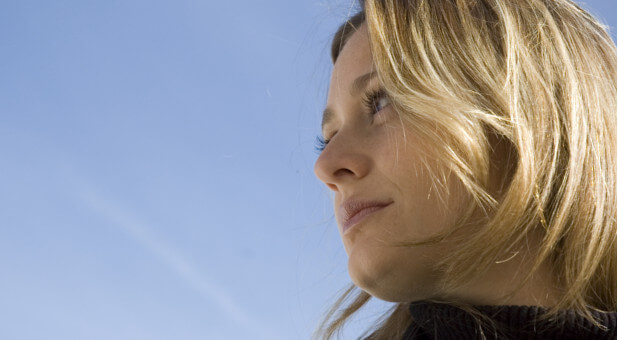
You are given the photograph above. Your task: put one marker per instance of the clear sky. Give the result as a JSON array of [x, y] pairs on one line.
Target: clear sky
[[156, 169]]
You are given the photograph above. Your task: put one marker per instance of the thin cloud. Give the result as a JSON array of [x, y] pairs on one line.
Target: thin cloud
[[143, 234]]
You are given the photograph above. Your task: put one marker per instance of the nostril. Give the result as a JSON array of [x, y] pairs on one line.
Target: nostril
[[343, 172]]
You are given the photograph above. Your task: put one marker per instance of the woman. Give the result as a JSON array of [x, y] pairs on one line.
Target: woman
[[471, 148]]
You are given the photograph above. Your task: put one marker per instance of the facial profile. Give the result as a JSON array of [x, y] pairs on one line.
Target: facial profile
[[470, 149], [376, 167]]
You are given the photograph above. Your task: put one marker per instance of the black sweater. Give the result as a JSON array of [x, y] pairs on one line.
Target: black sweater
[[441, 321]]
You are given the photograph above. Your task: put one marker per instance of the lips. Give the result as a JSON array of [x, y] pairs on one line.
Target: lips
[[354, 211]]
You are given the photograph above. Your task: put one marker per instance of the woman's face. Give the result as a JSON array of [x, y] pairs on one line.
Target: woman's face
[[383, 192]]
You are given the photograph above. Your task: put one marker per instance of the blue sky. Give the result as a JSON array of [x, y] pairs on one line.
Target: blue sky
[[157, 169]]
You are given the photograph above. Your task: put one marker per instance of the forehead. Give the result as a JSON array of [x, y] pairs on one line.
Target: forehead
[[354, 60]]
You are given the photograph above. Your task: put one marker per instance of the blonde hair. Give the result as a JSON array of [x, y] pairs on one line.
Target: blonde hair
[[538, 78]]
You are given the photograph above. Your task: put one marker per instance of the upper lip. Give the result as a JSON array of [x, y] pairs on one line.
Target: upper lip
[[349, 208]]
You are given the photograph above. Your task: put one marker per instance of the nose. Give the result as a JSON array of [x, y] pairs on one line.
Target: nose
[[342, 162]]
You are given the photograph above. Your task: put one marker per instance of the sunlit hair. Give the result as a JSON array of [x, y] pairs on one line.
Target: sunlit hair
[[518, 100]]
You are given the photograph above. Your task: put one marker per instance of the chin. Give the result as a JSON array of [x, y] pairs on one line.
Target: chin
[[391, 281]]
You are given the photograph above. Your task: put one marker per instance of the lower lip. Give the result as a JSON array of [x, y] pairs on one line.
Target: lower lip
[[361, 215]]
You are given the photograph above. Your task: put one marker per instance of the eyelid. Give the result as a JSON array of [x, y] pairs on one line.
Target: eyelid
[[321, 141]]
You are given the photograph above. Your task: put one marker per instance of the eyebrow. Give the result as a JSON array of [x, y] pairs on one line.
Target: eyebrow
[[357, 86], [361, 82]]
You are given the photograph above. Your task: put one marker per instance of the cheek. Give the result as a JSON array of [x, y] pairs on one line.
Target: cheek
[[431, 198], [424, 209], [428, 209]]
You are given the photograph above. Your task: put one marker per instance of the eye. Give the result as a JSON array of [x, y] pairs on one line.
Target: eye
[[376, 101], [381, 103]]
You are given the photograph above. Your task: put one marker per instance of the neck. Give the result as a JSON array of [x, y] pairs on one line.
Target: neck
[[507, 283]]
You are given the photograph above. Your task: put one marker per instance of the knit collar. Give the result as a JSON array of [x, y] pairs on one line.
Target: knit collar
[[442, 321]]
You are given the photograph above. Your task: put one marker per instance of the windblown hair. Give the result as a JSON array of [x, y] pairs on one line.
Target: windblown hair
[[533, 81]]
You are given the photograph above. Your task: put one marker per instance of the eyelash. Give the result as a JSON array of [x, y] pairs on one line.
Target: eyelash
[[320, 143], [370, 101]]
